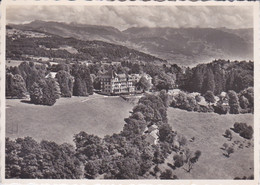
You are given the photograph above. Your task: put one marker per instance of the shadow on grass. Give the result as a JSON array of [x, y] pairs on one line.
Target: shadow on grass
[[27, 101], [226, 155]]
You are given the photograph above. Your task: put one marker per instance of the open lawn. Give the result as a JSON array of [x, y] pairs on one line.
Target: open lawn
[[208, 130], [96, 114]]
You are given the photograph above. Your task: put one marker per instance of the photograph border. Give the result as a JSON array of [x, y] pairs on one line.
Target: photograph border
[[255, 5]]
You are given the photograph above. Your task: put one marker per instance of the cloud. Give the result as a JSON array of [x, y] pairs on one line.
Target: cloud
[[123, 17]]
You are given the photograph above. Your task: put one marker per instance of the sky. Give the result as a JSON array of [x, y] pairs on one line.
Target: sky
[[123, 17]]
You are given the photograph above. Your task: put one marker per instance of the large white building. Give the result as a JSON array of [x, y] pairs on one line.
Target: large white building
[[113, 83]]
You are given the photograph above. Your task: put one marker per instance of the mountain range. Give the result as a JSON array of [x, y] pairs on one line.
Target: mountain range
[[183, 46]]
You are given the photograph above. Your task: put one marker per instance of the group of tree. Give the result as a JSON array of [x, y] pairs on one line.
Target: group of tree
[[244, 130], [219, 76], [31, 79], [231, 102], [125, 155], [27, 159], [186, 157], [228, 150]]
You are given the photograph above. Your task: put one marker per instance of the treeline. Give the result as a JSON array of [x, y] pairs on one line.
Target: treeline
[[32, 79], [126, 155], [230, 102], [218, 76]]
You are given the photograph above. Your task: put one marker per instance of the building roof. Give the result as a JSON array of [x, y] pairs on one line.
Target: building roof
[[109, 73], [120, 75]]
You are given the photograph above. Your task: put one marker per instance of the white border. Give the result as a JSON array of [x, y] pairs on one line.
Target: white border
[[134, 182]]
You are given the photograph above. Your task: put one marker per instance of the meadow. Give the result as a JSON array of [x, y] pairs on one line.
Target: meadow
[[96, 114], [102, 115], [208, 130]]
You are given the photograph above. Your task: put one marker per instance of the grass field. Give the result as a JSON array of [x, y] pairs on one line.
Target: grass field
[[101, 115], [95, 114], [208, 130]]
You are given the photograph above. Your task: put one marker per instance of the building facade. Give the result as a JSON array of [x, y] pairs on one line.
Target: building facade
[[113, 83]]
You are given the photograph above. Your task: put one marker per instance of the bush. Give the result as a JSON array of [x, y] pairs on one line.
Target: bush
[[228, 134], [178, 160], [244, 130], [229, 151], [221, 109]]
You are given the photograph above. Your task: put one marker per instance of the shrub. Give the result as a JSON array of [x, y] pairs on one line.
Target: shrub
[[178, 160], [229, 151], [244, 130], [221, 109], [225, 146], [228, 134]]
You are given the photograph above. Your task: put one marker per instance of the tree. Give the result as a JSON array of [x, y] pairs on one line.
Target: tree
[[244, 130], [249, 95], [79, 88], [208, 82], [15, 86], [165, 133], [128, 168], [143, 84], [178, 160], [243, 102], [97, 83], [209, 97], [164, 81], [182, 141], [191, 158], [65, 81], [133, 127], [225, 146], [31, 73], [83, 80], [45, 92], [233, 102], [228, 134], [229, 151], [165, 97], [28, 159], [167, 174]]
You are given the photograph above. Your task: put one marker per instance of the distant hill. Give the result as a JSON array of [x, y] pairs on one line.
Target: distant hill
[[21, 44], [192, 45], [183, 46]]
